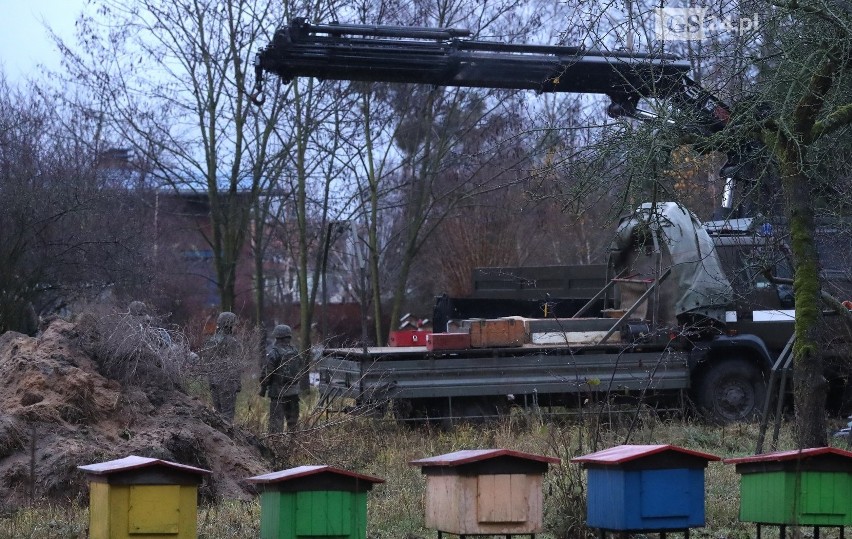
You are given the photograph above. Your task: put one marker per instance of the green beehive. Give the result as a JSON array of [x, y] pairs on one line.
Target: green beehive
[[313, 501], [810, 487]]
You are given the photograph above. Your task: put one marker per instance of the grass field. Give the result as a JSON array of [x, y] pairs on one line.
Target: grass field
[[383, 448]]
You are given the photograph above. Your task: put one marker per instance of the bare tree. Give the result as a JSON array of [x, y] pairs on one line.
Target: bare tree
[[810, 121], [174, 80], [429, 170], [58, 241]]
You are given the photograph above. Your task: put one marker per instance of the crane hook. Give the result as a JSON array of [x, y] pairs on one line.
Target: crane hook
[[256, 97]]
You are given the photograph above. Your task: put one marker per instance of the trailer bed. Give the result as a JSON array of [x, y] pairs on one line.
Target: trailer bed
[[388, 373]]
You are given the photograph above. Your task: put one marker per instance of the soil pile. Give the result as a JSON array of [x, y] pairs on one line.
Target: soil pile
[[58, 411]]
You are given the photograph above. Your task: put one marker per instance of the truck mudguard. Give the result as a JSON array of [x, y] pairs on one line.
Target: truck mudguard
[[724, 345]]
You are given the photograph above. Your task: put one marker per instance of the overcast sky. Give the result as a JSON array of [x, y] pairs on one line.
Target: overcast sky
[[23, 39]]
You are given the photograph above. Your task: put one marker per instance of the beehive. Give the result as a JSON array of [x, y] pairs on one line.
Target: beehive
[[138, 496], [313, 501], [484, 491], [645, 488], [811, 487]]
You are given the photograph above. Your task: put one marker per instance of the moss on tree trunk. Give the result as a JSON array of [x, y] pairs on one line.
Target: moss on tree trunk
[[810, 385]]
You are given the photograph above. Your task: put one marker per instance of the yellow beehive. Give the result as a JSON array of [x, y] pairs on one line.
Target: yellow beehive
[[138, 497]]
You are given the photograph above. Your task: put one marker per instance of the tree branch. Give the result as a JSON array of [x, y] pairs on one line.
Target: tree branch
[[795, 5], [813, 98], [839, 117]]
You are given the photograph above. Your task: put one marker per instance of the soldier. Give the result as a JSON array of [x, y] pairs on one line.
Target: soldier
[[138, 318], [137, 308], [279, 379], [221, 358]]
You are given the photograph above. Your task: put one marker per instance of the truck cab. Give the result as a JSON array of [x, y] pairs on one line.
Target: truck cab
[[761, 318], [751, 254]]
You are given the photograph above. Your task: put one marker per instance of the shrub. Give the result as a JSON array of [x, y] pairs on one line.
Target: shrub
[[135, 349]]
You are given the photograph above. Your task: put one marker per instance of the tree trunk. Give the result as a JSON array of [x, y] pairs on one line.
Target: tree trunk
[[259, 276], [791, 145], [810, 386]]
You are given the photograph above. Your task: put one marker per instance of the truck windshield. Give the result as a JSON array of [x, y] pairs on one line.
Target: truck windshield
[[745, 261]]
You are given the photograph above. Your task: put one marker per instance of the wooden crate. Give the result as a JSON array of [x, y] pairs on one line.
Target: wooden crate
[[567, 331], [448, 341], [496, 333]]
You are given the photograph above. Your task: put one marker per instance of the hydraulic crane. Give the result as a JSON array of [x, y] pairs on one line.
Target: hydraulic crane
[[448, 57], [724, 372]]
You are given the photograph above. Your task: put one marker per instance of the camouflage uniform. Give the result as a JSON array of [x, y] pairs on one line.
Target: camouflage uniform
[[137, 308], [221, 359], [279, 379]]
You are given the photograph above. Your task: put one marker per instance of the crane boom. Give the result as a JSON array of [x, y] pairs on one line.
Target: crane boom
[[446, 57]]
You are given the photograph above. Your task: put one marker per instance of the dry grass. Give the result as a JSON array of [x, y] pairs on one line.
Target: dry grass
[[229, 520], [48, 522], [383, 449]]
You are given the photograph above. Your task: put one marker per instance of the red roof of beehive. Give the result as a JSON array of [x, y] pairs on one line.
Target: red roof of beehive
[[134, 463], [304, 471], [794, 454], [468, 456], [626, 453]]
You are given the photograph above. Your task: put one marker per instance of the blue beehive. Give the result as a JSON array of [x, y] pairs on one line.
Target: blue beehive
[[645, 488]]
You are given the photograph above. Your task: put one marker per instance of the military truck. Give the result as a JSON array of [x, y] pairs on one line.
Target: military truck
[[676, 315], [695, 315]]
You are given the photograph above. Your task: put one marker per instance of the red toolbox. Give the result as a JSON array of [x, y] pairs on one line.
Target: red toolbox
[[408, 337], [448, 341]]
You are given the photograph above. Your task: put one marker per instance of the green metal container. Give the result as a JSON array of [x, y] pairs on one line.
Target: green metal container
[[811, 487], [313, 501]]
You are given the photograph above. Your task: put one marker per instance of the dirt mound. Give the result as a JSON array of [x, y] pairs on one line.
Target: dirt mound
[[57, 411]]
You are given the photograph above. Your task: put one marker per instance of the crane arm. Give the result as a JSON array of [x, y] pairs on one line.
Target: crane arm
[[446, 57], [449, 57]]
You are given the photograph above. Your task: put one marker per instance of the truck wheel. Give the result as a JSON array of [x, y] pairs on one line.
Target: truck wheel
[[418, 412], [731, 390]]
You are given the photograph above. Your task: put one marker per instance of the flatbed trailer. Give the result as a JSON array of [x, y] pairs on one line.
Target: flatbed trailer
[[420, 384]]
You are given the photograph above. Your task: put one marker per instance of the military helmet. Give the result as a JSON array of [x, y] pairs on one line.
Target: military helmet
[[226, 320], [282, 331], [137, 308]]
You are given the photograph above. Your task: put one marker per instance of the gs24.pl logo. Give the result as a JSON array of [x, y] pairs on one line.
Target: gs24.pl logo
[[693, 23]]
